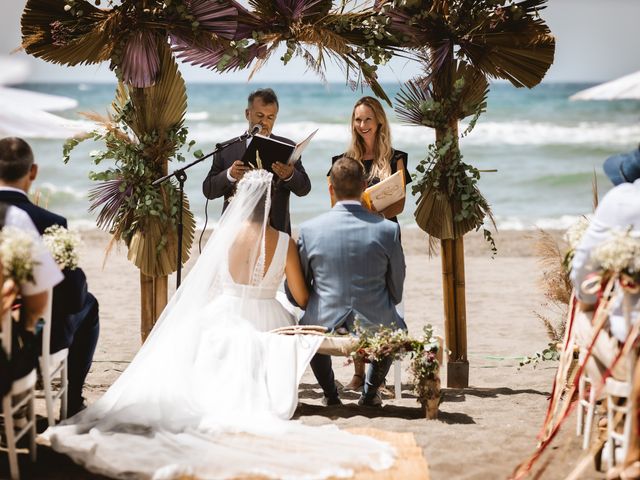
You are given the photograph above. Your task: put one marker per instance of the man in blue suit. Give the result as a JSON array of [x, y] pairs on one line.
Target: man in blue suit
[[354, 267], [74, 315]]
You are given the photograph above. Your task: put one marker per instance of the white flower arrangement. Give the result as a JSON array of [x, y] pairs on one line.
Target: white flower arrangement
[[575, 232], [63, 245], [16, 252], [573, 236], [619, 254]]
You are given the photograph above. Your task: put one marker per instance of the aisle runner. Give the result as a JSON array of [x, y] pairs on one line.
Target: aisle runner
[[409, 465]]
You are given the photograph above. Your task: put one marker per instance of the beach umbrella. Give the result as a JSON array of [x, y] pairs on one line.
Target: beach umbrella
[[623, 88], [24, 113]]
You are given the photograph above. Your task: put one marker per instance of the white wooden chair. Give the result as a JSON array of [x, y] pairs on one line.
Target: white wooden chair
[[53, 365], [24, 388], [618, 395], [586, 406]]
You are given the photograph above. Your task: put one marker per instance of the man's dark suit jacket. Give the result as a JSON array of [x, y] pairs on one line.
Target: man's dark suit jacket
[[217, 184], [70, 295]]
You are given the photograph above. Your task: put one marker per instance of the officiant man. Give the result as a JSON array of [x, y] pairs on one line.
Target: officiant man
[[227, 168], [353, 264], [74, 311]]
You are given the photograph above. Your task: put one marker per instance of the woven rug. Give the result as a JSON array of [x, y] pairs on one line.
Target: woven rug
[[409, 464]]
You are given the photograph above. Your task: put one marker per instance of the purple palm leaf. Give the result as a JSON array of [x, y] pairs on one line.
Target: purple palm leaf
[[214, 55], [140, 59], [217, 17], [111, 197]]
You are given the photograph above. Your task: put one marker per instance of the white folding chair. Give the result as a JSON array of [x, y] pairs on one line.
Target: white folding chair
[[586, 406], [53, 365], [620, 390], [23, 388]]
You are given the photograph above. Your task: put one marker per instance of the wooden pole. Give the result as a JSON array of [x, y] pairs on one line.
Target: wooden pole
[[147, 318], [455, 317]]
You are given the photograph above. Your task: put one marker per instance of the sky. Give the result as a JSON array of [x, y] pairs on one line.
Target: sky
[[596, 41]]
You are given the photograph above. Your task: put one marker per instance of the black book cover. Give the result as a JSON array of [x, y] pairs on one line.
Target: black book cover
[[262, 152]]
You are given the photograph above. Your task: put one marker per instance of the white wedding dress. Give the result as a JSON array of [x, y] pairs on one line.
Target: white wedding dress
[[211, 392]]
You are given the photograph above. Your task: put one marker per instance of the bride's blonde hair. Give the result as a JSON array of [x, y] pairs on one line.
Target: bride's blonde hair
[[382, 150]]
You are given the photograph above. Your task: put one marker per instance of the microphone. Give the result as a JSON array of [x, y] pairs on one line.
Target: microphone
[[255, 129]]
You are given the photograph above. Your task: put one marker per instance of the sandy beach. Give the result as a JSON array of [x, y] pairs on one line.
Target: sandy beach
[[482, 432]]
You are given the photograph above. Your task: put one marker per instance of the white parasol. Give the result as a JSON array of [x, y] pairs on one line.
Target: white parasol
[[623, 88]]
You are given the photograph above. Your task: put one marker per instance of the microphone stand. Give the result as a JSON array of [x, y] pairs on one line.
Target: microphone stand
[[181, 176]]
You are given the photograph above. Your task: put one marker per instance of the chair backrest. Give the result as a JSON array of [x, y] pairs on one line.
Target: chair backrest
[[46, 329], [5, 335], [627, 311]]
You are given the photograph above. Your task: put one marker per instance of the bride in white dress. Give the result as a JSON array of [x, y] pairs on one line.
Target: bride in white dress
[[211, 392]]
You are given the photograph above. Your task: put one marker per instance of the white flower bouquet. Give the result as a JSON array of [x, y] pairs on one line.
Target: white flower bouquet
[[16, 254], [63, 245], [620, 254]]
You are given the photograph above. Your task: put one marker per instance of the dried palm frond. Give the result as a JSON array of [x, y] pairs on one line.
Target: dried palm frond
[[56, 35], [417, 104], [140, 62], [153, 257], [502, 41], [160, 108]]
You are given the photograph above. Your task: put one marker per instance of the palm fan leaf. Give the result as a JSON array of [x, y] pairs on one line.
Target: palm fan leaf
[[140, 64], [153, 257], [437, 211], [110, 197], [53, 34], [216, 55], [161, 107], [514, 44], [416, 103], [219, 18]]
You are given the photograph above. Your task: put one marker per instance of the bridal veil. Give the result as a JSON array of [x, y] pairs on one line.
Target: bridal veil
[[198, 398]]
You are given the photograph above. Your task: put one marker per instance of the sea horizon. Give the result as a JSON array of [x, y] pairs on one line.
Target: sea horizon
[[545, 147]]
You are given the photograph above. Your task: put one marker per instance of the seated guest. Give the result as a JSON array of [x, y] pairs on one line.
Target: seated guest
[[33, 298], [74, 310], [618, 210]]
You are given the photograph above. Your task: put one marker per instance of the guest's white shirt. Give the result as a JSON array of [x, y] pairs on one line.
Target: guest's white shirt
[[617, 211], [46, 272]]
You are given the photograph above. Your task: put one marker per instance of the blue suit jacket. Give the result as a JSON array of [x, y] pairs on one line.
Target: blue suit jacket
[[354, 267], [70, 295]]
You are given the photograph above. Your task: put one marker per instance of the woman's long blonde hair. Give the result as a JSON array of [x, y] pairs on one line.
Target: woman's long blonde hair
[[382, 150]]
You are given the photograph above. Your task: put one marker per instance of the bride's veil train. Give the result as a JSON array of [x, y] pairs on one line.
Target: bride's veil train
[[201, 396]]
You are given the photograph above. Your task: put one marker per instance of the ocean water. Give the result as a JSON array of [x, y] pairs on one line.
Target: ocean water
[[544, 147]]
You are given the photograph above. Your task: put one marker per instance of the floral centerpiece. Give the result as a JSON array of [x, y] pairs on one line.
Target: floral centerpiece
[[397, 343], [63, 245], [16, 253]]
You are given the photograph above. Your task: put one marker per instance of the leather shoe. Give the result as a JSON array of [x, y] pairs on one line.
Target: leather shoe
[[374, 401], [331, 401]]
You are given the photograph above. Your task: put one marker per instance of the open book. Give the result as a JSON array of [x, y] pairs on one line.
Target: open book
[[386, 192], [262, 152]]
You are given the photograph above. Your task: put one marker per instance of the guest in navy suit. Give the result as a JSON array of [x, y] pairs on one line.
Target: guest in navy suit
[[74, 315]]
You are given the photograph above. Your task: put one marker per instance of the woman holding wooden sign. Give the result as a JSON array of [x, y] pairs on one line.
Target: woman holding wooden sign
[[386, 170]]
